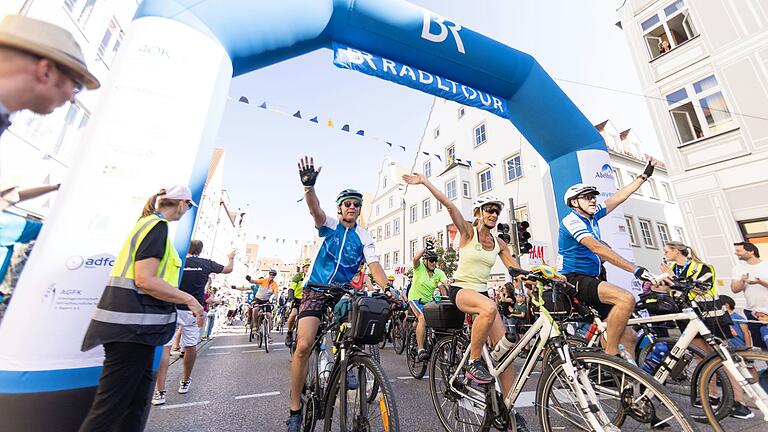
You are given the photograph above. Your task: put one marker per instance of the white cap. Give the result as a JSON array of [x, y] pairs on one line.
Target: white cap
[[178, 192]]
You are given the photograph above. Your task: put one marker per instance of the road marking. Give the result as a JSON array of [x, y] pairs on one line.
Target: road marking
[[249, 351], [232, 346], [164, 407], [274, 393], [525, 399], [262, 350], [219, 353], [410, 377]]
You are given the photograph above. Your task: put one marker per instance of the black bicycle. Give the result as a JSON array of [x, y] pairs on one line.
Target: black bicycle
[[259, 328], [415, 367], [368, 403]]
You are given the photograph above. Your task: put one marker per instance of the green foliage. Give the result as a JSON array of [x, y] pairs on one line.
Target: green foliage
[[447, 260]]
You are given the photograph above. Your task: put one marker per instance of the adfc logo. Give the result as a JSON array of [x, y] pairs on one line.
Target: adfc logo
[[605, 172]]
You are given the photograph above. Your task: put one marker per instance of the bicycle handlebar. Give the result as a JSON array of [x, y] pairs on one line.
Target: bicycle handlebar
[[335, 288]]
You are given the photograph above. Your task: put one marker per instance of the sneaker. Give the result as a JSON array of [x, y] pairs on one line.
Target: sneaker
[[351, 380], [520, 424], [294, 423], [478, 372], [741, 412], [184, 386], [159, 398], [423, 355], [288, 339]]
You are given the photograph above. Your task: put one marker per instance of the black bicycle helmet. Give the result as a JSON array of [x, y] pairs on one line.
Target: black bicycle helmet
[[348, 193], [430, 254]]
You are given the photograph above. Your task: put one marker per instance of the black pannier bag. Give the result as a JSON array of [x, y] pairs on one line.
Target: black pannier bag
[[368, 318], [657, 303], [443, 315]]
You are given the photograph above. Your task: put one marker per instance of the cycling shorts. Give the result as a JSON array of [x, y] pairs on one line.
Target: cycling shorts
[[315, 303], [417, 306], [295, 303], [268, 308], [586, 289]]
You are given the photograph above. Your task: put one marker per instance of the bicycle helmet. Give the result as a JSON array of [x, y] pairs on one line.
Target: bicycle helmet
[[578, 189], [306, 263], [390, 278], [487, 199], [348, 193], [273, 272], [430, 254]]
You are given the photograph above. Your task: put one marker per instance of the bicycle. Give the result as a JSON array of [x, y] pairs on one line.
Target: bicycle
[[415, 367], [580, 388], [261, 325], [396, 330], [371, 397]]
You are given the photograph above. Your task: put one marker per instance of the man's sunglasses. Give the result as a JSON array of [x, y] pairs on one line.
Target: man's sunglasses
[[493, 210], [356, 204], [432, 260]]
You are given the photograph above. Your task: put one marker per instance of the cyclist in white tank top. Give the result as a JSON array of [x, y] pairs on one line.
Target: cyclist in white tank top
[[478, 250]]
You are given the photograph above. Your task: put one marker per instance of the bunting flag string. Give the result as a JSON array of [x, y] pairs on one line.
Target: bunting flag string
[[280, 240], [450, 160], [329, 123]]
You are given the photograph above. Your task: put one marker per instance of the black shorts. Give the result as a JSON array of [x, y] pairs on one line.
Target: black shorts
[[267, 308], [295, 303], [586, 288], [231, 313], [453, 290]]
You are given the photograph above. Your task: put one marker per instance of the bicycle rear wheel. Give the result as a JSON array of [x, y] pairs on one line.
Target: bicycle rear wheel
[[631, 399], [415, 367], [398, 341], [310, 396], [369, 407]]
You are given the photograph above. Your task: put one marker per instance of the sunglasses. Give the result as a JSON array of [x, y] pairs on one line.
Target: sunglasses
[[356, 204], [432, 260], [492, 210], [588, 197]]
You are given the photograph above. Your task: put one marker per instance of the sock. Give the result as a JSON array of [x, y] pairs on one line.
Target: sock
[[295, 412]]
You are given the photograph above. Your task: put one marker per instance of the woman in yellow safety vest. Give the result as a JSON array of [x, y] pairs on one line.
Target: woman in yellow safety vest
[[137, 313]]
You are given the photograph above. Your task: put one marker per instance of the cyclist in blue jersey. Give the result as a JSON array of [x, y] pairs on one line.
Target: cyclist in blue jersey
[[582, 254], [345, 247]]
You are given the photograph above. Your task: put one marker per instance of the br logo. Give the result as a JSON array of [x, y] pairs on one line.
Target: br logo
[[444, 27]]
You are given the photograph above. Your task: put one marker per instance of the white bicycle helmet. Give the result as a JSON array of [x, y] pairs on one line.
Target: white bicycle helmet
[[486, 199], [578, 189]]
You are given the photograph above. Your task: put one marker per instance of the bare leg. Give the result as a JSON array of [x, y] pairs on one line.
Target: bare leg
[[497, 331], [623, 304], [162, 369], [291, 319], [305, 337], [190, 354], [421, 327]]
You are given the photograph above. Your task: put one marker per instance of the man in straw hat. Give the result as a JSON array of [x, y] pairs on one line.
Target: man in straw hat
[[41, 67]]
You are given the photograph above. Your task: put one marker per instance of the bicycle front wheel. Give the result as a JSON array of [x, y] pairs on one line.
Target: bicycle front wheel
[[398, 341], [629, 398], [266, 335], [374, 351], [368, 406], [415, 367]]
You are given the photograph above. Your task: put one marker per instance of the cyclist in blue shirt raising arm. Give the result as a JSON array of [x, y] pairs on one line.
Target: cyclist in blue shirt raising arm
[[583, 252]]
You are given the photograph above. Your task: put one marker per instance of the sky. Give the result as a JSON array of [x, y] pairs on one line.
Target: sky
[[576, 42]]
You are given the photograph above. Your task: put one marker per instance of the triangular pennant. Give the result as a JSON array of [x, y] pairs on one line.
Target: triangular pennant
[[243, 99], [388, 143], [345, 128], [297, 242], [360, 132], [402, 147], [313, 119], [283, 241], [469, 162], [330, 123], [425, 153], [300, 200], [297, 114], [438, 157], [263, 105]]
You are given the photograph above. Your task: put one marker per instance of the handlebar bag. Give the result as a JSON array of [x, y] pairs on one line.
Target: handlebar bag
[[368, 318]]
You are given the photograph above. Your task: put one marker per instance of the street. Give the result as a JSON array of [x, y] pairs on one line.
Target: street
[[238, 387]]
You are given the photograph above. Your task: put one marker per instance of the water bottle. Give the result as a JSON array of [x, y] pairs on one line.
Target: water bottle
[[325, 366], [655, 357], [626, 355], [591, 332], [436, 294], [504, 345]]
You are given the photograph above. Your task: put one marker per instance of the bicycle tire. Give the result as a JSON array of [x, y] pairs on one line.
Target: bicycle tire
[[605, 373], [446, 356], [711, 367], [266, 335], [398, 341], [374, 352], [344, 419], [682, 388], [310, 400], [416, 368]]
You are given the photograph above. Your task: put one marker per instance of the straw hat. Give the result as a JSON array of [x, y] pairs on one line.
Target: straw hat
[[49, 41]]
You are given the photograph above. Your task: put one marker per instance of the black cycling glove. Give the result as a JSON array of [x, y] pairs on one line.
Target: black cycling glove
[[642, 273], [648, 170], [308, 175]]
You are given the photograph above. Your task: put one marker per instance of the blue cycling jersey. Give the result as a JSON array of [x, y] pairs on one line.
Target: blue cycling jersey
[[574, 256], [343, 250]]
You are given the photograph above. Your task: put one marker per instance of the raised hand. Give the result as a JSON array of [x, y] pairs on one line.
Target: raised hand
[[307, 171], [414, 178]]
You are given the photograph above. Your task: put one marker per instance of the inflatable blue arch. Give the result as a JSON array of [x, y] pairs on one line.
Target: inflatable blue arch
[[391, 39]]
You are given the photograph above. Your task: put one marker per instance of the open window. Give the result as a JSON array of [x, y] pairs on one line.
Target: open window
[[668, 29], [699, 110]]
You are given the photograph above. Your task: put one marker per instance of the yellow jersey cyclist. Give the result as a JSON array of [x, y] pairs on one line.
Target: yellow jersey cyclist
[[426, 278], [297, 288]]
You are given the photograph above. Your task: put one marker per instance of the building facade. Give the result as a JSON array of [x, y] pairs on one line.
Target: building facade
[[703, 66], [468, 153]]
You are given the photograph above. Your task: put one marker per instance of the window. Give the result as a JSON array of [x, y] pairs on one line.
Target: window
[[110, 42], [396, 226], [480, 134], [396, 257], [450, 154], [668, 29], [384, 183], [521, 213], [485, 180], [461, 112], [439, 207], [426, 207], [631, 230], [654, 189], [80, 10], [386, 261], [699, 110], [640, 192], [617, 178], [646, 233], [427, 170], [679, 234], [391, 201], [378, 209], [667, 192], [378, 234], [450, 189], [414, 244], [663, 233], [414, 213], [440, 237], [387, 230], [437, 132], [514, 169], [465, 189]]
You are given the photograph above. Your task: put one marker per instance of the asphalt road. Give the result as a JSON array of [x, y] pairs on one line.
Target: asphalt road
[[238, 387]]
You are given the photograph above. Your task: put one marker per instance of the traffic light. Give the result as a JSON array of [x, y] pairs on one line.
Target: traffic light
[[522, 236], [504, 232]]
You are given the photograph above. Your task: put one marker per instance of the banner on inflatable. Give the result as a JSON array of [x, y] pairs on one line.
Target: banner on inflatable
[[347, 57]]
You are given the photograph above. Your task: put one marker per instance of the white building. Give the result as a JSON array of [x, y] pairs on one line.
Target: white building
[[468, 153], [703, 66], [37, 150]]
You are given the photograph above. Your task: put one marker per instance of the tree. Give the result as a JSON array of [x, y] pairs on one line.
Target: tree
[[447, 260]]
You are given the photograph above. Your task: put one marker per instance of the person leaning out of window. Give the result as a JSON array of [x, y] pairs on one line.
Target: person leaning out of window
[[137, 313]]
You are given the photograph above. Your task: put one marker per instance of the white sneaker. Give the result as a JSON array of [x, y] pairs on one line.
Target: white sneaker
[[158, 398], [184, 386]]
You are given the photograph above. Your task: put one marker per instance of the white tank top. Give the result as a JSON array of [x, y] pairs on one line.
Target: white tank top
[[475, 264]]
